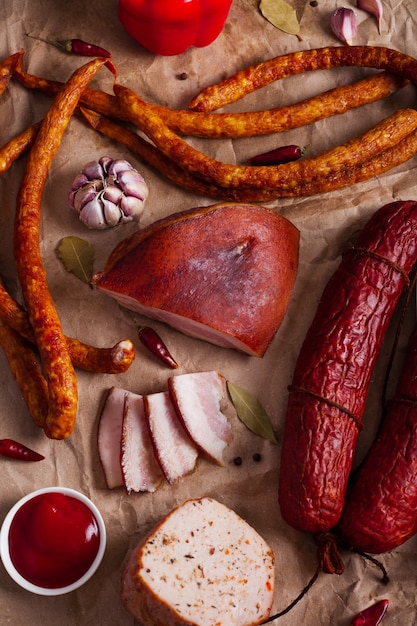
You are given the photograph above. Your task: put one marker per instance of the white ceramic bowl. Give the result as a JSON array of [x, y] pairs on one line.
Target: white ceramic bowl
[[4, 543]]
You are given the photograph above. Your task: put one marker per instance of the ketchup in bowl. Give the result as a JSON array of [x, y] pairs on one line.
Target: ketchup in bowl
[[55, 541]]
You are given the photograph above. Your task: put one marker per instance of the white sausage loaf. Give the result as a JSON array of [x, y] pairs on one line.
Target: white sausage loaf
[[202, 565]]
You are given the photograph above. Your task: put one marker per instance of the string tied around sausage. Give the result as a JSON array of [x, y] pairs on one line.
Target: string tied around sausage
[[380, 257], [357, 420], [405, 401]]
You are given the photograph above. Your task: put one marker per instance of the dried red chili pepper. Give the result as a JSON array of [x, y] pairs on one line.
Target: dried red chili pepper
[[15, 450], [283, 154], [77, 46], [372, 616], [151, 340]]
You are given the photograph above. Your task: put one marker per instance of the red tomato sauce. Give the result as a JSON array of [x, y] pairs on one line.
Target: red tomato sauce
[[53, 540]]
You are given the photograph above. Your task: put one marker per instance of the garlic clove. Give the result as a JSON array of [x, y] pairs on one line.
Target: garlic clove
[[113, 194], [93, 170], [131, 206], [79, 181], [92, 215], [133, 184], [118, 166], [83, 196], [343, 24], [374, 7], [112, 213], [71, 197], [105, 162]]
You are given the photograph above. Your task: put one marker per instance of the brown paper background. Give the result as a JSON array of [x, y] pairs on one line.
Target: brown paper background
[[325, 223]]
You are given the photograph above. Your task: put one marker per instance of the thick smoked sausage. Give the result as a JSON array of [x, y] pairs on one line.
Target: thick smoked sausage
[[381, 506], [334, 367]]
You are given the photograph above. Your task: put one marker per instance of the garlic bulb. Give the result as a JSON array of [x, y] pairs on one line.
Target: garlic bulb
[[108, 192]]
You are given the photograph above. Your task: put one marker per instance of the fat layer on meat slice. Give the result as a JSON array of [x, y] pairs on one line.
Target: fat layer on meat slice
[[197, 398], [202, 565], [140, 469], [109, 437], [174, 450]]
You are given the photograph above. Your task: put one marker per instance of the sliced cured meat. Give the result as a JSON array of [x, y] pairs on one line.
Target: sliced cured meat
[[109, 437], [202, 565], [175, 452], [223, 273], [197, 399], [140, 469]]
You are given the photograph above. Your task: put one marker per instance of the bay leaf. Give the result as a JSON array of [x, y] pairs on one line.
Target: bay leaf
[[281, 15], [77, 256], [251, 412]]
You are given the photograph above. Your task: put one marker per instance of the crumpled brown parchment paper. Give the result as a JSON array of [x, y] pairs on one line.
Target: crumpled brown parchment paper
[[325, 222]]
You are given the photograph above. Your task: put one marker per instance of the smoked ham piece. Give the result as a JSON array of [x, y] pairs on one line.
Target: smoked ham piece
[[202, 565], [222, 273]]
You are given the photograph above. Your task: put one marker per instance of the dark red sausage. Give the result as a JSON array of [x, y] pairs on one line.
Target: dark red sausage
[[334, 367], [381, 507]]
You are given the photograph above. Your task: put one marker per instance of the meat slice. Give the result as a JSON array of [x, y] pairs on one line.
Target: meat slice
[[109, 436], [140, 469], [202, 565], [176, 453], [223, 273], [197, 399]]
